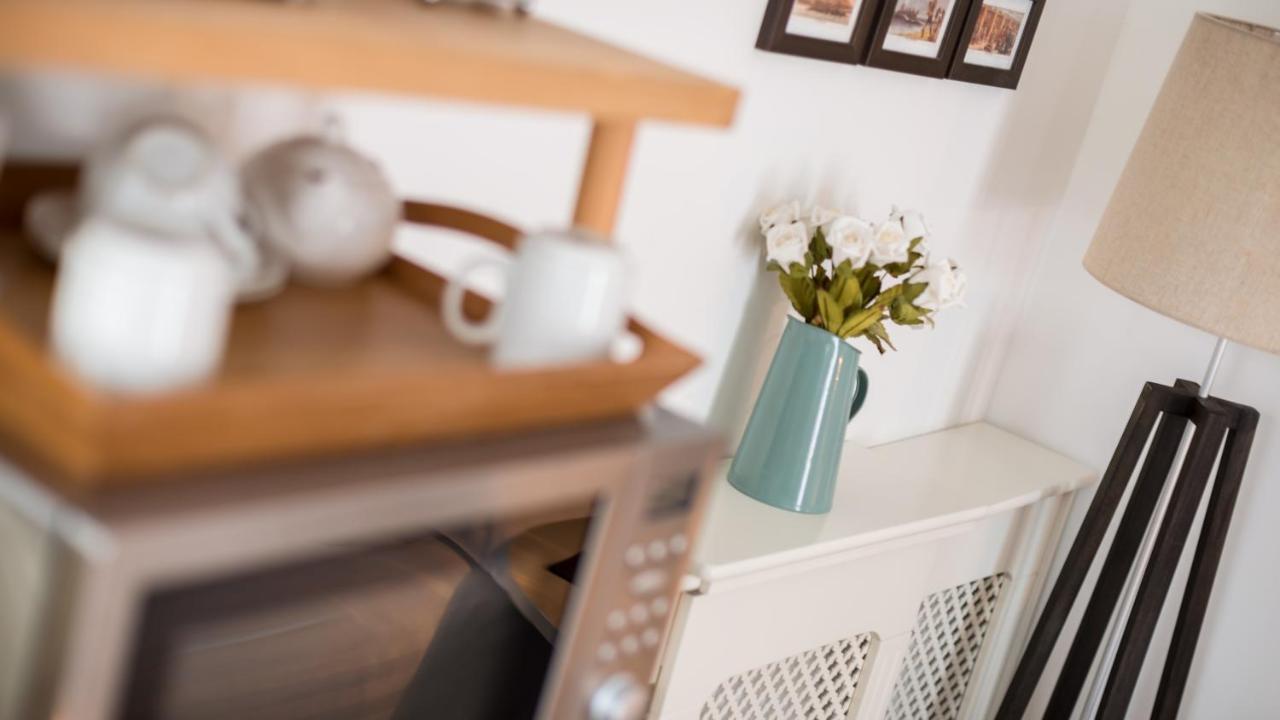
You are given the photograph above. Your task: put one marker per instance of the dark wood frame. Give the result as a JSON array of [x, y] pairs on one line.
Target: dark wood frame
[[960, 70], [774, 38], [1167, 410], [879, 57]]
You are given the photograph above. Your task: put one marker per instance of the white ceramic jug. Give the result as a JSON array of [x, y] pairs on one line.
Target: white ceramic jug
[[138, 311]]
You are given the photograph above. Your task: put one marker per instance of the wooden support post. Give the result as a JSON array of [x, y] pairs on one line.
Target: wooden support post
[[603, 175]]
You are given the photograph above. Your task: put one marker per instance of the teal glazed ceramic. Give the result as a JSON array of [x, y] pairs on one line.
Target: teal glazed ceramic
[[790, 452]]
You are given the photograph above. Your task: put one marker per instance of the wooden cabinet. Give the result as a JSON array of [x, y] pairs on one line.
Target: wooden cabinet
[[909, 600]]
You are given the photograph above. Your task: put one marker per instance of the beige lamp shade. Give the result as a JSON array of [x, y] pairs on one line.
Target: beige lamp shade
[[1193, 228]]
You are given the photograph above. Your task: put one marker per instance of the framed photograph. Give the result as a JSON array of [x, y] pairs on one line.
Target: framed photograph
[[835, 30], [996, 41], [918, 36]]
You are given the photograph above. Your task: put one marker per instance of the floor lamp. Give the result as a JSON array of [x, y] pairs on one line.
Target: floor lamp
[[1192, 232]]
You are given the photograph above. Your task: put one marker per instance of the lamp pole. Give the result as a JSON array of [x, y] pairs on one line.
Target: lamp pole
[[1111, 642]]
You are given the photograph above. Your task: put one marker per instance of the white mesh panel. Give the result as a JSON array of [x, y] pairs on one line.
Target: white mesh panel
[[816, 685], [944, 647]]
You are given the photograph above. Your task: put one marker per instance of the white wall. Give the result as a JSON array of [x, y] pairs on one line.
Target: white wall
[[1080, 354], [987, 165]]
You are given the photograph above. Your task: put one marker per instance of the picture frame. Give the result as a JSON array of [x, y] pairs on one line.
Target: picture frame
[[835, 30], [918, 36], [996, 41]]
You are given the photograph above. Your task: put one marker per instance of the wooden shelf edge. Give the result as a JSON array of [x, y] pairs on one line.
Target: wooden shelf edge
[[395, 46]]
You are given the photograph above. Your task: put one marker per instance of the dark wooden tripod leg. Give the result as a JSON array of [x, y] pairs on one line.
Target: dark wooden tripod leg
[[1175, 527], [1083, 549], [1213, 536], [1115, 570]]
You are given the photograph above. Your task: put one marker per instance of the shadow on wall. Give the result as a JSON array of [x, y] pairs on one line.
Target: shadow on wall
[[1044, 127]]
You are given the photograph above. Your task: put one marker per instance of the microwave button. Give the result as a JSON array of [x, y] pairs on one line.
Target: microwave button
[[629, 644], [659, 606], [649, 582], [677, 544], [639, 614], [650, 637], [616, 620], [657, 551], [635, 556], [607, 653], [618, 698]]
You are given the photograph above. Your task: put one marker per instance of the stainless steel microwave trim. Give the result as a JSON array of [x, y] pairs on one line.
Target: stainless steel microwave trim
[[203, 529]]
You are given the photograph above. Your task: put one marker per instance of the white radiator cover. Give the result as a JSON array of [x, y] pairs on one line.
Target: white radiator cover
[[950, 629], [821, 684]]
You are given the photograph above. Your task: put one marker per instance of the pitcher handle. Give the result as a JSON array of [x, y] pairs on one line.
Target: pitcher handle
[[860, 394]]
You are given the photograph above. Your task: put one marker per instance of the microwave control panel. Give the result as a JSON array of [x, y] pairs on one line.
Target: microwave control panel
[[634, 612]]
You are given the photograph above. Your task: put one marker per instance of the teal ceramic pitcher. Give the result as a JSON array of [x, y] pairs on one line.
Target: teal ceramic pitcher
[[790, 451]]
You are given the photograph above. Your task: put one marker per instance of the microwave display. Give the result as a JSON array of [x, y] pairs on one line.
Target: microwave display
[[453, 624]]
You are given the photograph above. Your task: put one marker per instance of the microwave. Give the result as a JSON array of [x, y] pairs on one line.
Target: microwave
[[525, 577]]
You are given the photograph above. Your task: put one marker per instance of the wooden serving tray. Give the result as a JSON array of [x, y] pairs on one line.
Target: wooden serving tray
[[308, 372]]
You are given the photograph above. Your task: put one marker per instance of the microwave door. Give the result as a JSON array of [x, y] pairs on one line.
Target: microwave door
[[453, 624], [488, 656]]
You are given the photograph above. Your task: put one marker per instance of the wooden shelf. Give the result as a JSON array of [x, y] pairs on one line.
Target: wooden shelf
[[396, 46], [311, 372]]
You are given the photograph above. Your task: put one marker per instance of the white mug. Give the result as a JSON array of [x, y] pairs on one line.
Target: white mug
[[564, 303], [135, 311], [166, 175]]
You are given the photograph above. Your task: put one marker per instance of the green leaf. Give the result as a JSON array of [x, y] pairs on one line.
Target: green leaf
[[878, 331], [801, 293], [773, 266], [819, 247], [911, 290], [858, 323], [888, 296], [903, 312], [798, 271], [850, 294], [875, 341], [915, 244], [832, 312], [837, 285], [898, 269], [878, 336], [870, 288]]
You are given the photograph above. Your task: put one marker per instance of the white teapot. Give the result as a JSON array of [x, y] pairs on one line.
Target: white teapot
[[166, 177], [326, 210]]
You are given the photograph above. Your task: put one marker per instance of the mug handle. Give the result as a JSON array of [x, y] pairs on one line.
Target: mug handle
[[484, 332], [860, 394], [241, 249]]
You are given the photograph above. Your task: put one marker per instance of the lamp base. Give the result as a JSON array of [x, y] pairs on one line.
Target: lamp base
[[1166, 410]]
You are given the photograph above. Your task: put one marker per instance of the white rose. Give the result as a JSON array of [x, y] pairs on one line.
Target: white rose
[[850, 239], [947, 285], [890, 244], [913, 224], [819, 216], [780, 215], [787, 243]]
